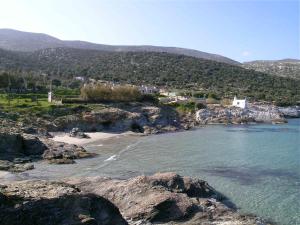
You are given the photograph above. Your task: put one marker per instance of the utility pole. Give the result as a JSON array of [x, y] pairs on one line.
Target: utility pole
[[50, 92], [8, 89]]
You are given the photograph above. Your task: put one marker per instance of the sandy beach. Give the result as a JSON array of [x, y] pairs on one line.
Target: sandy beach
[[94, 136]]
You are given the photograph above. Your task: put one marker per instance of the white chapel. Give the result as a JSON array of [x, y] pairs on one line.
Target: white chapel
[[241, 103]]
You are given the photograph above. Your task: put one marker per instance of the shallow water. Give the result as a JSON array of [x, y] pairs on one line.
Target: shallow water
[[257, 166]]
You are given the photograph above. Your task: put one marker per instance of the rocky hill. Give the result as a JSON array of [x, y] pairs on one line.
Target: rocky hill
[[25, 41], [284, 68], [161, 69]]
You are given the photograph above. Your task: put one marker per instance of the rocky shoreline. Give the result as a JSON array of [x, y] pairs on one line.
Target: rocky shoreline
[[21, 143], [254, 113], [164, 198], [161, 198]]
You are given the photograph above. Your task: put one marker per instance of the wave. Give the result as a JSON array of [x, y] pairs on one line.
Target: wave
[[113, 157]]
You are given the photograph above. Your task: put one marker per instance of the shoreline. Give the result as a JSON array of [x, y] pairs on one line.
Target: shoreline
[[93, 137], [105, 135]]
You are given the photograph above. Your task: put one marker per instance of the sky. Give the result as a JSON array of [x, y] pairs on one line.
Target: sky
[[243, 30]]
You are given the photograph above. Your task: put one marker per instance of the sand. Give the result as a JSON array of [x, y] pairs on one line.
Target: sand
[[95, 136]]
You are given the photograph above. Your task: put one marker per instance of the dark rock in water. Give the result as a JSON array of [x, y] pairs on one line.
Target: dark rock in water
[[6, 165], [48, 203], [22, 160], [15, 167], [58, 152], [61, 161]]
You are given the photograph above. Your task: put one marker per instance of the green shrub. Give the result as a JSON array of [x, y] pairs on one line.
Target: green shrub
[[105, 93], [186, 107], [200, 105]]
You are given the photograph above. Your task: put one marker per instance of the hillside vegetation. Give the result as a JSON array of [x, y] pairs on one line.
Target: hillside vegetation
[[284, 68], [26, 41], [161, 69]]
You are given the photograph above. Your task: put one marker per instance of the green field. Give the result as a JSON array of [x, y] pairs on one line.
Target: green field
[[18, 106]]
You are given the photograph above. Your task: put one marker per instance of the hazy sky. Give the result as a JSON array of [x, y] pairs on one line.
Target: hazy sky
[[242, 30]]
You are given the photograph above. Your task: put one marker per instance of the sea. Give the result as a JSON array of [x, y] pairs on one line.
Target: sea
[[256, 166]]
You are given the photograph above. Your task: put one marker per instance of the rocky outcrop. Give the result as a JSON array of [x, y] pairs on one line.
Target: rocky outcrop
[[252, 114], [136, 117], [59, 152], [18, 149], [290, 112], [48, 203], [165, 198]]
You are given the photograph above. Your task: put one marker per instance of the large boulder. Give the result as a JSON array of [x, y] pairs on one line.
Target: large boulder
[[48, 203], [32, 145], [59, 152], [165, 198]]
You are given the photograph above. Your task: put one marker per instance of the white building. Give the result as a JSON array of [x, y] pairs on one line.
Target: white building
[[241, 103], [148, 90], [79, 78]]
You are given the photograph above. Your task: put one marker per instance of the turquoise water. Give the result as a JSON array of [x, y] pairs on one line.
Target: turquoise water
[[257, 166]]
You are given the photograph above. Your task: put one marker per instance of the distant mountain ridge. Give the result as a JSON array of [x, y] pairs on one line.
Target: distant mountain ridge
[[284, 68], [15, 40]]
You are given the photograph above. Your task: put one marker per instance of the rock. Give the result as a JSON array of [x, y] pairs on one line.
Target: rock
[[61, 161], [15, 167], [164, 198], [122, 117], [22, 167], [32, 145], [17, 149], [290, 112], [61, 153], [6, 165], [47, 203], [22, 160], [11, 143], [75, 132], [254, 113]]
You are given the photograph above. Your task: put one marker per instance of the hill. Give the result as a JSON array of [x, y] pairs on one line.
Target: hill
[[26, 41], [161, 69], [283, 68]]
